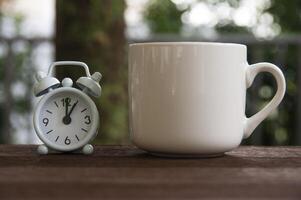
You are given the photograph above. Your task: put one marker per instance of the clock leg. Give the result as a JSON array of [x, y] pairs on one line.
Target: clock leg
[[42, 149], [87, 149]]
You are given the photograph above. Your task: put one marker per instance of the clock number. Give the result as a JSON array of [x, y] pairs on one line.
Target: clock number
[[88, 120], [67, 141], [65, 100], [45, 121]]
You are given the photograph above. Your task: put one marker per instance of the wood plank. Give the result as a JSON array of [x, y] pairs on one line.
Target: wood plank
[[125, 172]]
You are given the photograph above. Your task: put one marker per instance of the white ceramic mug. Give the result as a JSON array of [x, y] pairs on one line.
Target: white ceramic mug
[[188, 98]]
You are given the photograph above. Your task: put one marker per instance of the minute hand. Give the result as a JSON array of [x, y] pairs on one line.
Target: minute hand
[[72, 108], [67, 105]]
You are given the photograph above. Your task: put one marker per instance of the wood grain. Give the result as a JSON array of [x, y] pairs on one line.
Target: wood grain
[[125, 172]]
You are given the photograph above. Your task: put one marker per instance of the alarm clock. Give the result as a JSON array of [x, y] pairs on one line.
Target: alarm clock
[[66, 119]]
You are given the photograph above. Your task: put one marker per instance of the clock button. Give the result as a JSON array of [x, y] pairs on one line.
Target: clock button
[[67, 82]]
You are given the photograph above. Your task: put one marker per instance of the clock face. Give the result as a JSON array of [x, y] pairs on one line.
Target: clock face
[[66, 119]]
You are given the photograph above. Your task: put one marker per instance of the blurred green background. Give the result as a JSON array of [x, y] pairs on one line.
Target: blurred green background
[[35, 33]]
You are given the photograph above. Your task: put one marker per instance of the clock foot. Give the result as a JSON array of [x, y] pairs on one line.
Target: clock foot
[[88, 149], [42, 149]]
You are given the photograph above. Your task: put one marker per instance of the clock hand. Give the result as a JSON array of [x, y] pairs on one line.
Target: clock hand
[[72, 108], [66, 106], [66, 118]]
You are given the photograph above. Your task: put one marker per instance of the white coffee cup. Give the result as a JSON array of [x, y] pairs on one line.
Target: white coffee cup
[[189, 98]]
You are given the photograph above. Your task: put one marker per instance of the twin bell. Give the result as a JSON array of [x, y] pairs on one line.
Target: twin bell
[[89, 83]]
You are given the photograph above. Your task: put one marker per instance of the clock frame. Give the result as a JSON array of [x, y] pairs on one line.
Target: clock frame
[[90, 134]]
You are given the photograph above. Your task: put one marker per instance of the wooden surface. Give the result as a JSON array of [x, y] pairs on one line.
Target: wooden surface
[[124, 172]]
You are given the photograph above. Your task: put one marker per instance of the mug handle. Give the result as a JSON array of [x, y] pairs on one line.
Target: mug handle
[[251, 71]]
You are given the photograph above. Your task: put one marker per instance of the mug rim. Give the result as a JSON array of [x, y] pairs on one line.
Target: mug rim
[[186, 43]]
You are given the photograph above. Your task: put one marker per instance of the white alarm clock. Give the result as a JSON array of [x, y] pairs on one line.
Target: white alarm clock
[[66, 119]]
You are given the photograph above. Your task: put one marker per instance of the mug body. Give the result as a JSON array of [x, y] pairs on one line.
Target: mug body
[[187, 98]]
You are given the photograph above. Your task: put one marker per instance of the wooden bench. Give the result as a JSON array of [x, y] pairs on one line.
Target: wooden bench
[[125, 172]]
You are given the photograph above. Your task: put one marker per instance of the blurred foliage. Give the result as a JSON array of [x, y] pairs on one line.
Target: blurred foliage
[[92, 31], [16, 83], [163, 16], [287, 14]]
